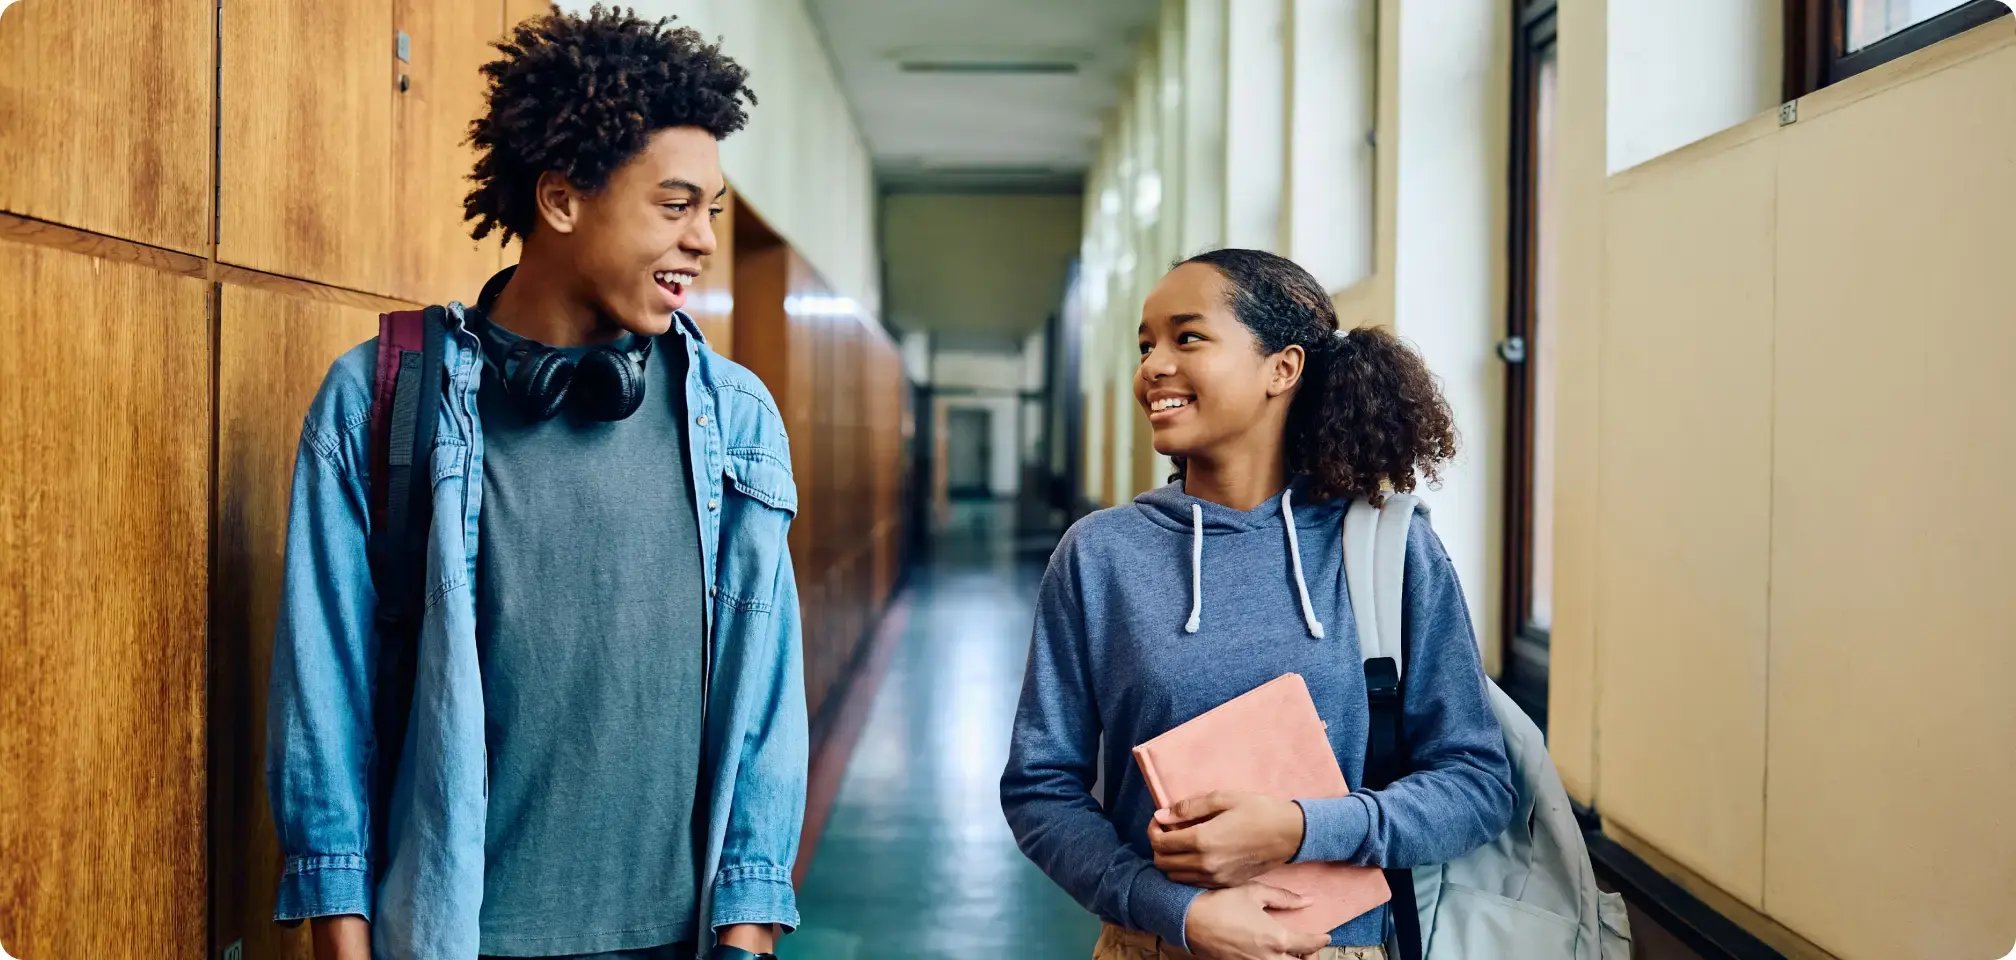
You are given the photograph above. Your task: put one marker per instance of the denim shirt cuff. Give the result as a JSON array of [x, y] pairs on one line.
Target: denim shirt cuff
[[1161, 906], [1333, 829], [755, 893], [323, 885]]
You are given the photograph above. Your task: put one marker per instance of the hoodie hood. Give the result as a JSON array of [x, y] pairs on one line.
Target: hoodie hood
[[1169, 507]]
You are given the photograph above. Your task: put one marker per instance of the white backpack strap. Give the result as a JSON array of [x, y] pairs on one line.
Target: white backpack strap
[[1389, 572], [1361, 540], [1375, 570]]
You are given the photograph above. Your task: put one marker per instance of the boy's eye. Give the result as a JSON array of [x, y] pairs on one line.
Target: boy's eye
[[679, 207], [1144, 349], [1188, 337], [714, 213]]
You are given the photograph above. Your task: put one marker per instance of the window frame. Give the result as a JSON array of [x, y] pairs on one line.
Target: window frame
[[1816, 34], [1523, 673]]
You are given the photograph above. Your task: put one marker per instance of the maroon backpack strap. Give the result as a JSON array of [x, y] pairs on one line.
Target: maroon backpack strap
[[398, 333], [406, 390]]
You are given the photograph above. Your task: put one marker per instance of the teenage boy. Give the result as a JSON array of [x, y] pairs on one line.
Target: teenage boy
[[604, 754]]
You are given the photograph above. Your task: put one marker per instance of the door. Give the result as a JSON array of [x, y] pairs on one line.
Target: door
[[969, 451]]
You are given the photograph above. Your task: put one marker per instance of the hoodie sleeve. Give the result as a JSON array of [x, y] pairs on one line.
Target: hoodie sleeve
[[1053, 757], [1459, 793]]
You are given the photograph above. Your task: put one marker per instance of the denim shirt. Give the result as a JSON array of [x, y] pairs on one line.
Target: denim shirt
[[423, 893]]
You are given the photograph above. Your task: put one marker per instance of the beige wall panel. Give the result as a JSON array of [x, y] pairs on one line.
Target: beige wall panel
[[1892, 651], [1572, 655], [106, 112], [1684, 512], [104, 496]]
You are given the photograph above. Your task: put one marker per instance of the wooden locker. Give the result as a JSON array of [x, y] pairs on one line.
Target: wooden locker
[[711, 302], [104, 500], [305, 156], [518, 10], [106, 110], [434, 258], [274, 350]]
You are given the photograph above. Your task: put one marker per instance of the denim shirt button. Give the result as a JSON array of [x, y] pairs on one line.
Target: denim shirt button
[[703, 420], [713, 503]]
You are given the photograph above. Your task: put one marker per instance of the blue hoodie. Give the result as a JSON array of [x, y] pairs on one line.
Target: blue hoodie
[[1155, 612]]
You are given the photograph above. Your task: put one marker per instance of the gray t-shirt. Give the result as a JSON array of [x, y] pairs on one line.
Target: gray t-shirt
[[589, 601]]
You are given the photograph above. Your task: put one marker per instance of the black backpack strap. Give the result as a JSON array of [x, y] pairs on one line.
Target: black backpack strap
[[1384, 763], [405, 409]]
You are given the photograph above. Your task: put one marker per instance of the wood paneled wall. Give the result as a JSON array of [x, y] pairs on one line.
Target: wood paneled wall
[[839, 383], [106, 111], [170, 344], [105, 401]]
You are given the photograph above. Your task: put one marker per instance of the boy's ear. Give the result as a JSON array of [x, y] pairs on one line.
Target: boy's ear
[[556, 203]]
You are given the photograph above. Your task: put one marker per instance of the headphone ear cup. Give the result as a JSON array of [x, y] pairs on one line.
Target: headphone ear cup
[[610, 384], [541, 380]]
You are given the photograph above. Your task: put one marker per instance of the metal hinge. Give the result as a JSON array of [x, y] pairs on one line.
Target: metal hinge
[[1788, 113]]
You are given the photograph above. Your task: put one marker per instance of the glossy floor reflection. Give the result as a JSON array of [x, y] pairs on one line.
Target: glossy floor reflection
[[915, 861]]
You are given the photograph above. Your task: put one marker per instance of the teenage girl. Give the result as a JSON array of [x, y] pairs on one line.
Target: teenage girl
[[1228, 577]]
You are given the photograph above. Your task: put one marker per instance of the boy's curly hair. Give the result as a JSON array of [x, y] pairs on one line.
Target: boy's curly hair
[[580, 95]]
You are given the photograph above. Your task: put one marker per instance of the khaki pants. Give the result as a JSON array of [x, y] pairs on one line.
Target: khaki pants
[[1116, 943]]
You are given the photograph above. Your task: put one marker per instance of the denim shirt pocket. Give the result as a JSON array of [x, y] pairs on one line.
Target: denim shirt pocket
[[759, 501]]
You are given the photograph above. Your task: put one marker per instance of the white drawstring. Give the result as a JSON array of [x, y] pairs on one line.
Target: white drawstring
[[1196, 567], [1295, 557]]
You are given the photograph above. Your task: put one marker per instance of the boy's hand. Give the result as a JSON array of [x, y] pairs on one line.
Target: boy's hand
[[1234, 925], [753, 937], [1225, 838], [345, 937]]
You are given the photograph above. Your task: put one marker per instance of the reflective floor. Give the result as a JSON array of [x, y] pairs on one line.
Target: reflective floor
[[915, 861]]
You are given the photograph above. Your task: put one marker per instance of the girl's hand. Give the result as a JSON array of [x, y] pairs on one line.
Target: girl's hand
[[1234, 925], [1225, 838]]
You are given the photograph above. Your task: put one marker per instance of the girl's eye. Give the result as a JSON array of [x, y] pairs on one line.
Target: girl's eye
[[1144, 349], [714, 213], [679, 208], [1188, 337]]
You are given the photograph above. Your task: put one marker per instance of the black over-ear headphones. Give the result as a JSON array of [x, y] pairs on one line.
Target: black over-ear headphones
[[607, 383]]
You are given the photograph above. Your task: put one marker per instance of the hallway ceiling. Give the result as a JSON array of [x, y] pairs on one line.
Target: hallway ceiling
[[982, 94]]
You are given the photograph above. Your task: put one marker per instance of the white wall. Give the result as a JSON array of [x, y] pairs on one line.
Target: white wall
[[1449, 290], [917, 356], [1333, 46], [1255, 122], [976, 370], [1681, 71], [801, 162]]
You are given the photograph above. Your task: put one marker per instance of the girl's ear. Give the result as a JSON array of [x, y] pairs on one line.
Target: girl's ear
[[1285, 369]]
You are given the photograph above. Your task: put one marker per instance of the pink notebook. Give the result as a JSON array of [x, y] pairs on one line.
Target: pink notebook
[[1268, 740]]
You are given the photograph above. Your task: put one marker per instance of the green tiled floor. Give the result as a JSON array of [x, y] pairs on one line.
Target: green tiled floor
[[916, 861]]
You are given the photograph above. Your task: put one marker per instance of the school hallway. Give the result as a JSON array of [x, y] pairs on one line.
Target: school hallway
[[915, 860], [907, 854]]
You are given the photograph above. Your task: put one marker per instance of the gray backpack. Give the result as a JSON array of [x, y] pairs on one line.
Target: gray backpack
[[1529, 894]]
